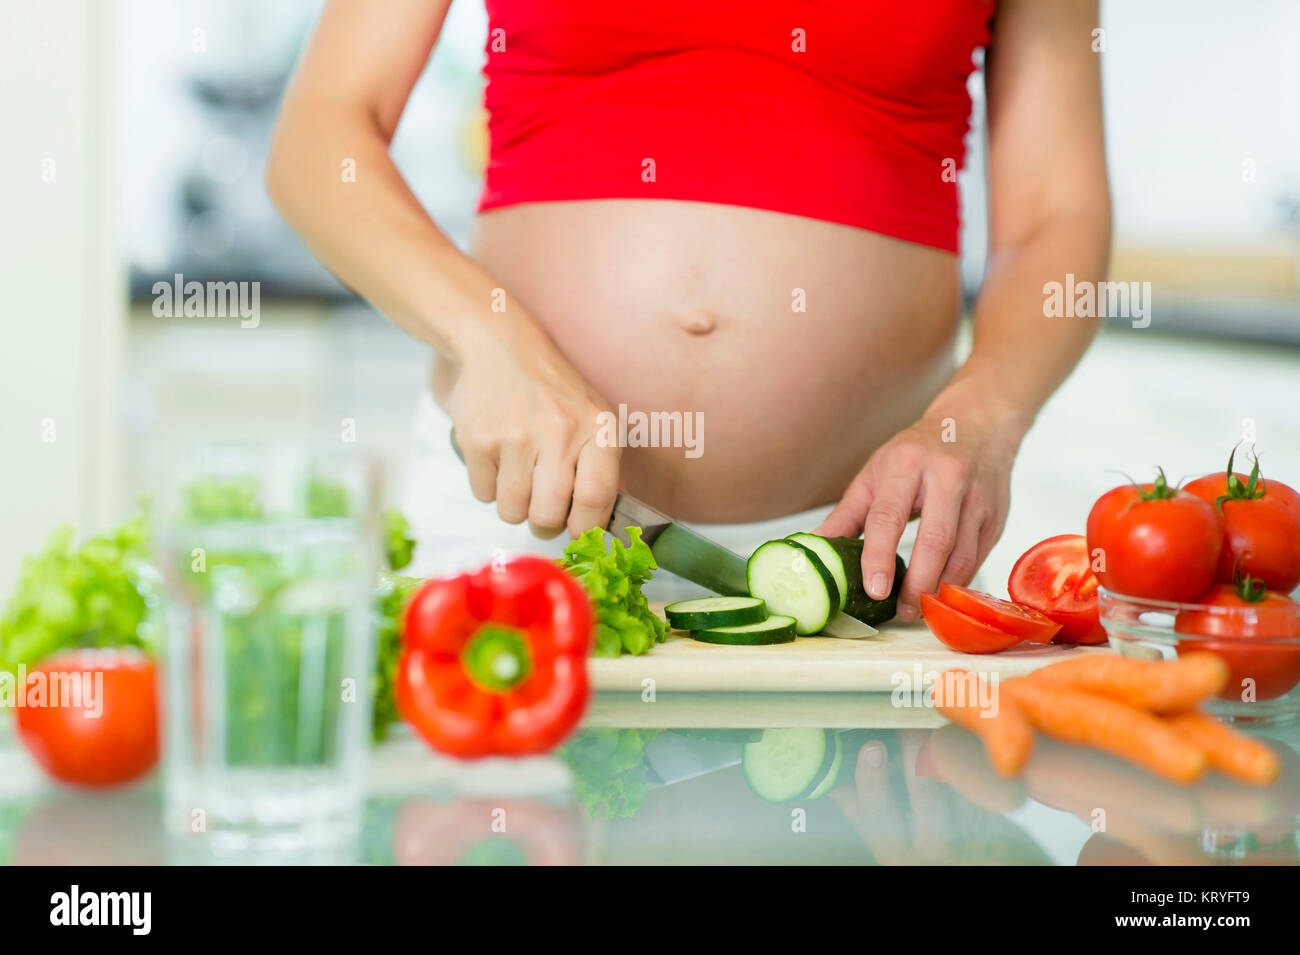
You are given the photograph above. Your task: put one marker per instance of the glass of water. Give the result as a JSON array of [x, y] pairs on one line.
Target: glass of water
[[270, 560]]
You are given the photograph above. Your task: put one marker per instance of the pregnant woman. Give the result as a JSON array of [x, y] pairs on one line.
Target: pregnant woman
[[745, 212]]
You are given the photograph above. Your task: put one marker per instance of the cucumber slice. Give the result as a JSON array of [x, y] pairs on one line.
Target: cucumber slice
[[775, 629], [830, 559], [833, 773], [704, 613], [786, 763], [791, 580]]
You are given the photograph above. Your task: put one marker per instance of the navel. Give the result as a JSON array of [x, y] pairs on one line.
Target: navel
[[698, 322]]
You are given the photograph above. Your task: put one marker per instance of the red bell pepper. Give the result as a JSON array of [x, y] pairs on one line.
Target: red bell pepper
[[495, 662]]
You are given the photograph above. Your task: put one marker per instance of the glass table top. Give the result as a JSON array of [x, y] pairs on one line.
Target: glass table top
[[670, 782]]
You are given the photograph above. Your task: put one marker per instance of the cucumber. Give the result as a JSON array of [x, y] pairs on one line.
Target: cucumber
[[830, 559], [775, 629], [704, 613], [786, 764], [846, 562], [791, 580], [833, 773], [868, 609]]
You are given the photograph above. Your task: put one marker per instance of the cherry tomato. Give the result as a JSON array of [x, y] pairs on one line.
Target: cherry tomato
[[1055, 578], [1261, 526], [103, 735], [961, 632], [1156, 542], [1250, 637], [1023, 622]]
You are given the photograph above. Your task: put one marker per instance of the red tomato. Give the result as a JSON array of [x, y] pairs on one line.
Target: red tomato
[[487, 831], [1055, 578], [1250, 635], [1261, 526], [960, 632], [1157, 542], [105, 735], [1023, 622]]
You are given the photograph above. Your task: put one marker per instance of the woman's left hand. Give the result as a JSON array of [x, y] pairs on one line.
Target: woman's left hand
[[953, 468]]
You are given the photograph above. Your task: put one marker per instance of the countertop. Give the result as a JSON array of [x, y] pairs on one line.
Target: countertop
[[660, 782]]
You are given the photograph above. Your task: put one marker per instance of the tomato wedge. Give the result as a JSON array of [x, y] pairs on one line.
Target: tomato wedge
[[962, 632], [1015, 619], [1055, 578]]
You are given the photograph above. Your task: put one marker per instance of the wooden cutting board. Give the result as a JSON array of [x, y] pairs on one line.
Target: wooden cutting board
[[898, 658]]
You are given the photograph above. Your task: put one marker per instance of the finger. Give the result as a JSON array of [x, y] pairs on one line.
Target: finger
[[935, 538], [931, 818], [515, 482], [992, 529], [889, 513], [552, 497], [849, 515], [884, 829], [595, 486], [481, 465], [965, 557]]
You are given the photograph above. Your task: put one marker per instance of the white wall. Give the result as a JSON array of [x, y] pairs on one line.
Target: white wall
[[1193, 89], [61, 295]]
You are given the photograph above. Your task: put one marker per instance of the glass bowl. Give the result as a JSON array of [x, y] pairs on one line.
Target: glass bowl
[[1261, 646]]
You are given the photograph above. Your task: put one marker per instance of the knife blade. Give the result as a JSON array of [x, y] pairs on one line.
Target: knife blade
[[676, 548]]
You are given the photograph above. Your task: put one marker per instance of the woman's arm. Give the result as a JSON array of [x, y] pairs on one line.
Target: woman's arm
[[525, 419], [1049, 215]]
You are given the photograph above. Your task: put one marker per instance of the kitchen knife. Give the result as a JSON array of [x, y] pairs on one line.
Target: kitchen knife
[[677, 549], [691, 556]]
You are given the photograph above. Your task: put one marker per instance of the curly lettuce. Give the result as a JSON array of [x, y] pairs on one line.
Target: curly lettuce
[[87, 596], [609, 771], [613, 579]]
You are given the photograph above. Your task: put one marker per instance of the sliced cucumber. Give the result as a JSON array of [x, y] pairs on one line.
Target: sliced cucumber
[[777, 628], [837, 759], [704, 613], [787, 763], [791, 580], [830, 559]]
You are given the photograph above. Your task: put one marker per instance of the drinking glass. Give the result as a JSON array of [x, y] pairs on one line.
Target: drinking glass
[[270, 560]]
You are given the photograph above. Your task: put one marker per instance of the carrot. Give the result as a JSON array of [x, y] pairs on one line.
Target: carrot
[[1074, 716], [1149, 685], [1008, 738], [1228, 751]]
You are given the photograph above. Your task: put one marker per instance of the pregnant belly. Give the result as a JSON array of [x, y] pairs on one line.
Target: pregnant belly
[[770, 353]]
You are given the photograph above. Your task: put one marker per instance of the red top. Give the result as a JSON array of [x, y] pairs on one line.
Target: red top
[[853, 111]]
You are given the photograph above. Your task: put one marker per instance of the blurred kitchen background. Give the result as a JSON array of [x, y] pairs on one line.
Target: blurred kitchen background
[[136, 134]]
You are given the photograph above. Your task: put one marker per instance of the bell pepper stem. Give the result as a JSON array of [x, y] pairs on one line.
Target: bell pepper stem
[[496, 657]]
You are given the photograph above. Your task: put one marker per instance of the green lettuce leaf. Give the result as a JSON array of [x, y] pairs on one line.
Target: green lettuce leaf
[[609, 772], [88, 596], [390, 599], [613, 579]]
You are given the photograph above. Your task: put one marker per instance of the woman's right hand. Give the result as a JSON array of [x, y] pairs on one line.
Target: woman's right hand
[[529, 428]]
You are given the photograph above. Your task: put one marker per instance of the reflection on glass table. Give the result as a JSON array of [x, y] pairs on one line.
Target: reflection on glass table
[[816, 779]]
